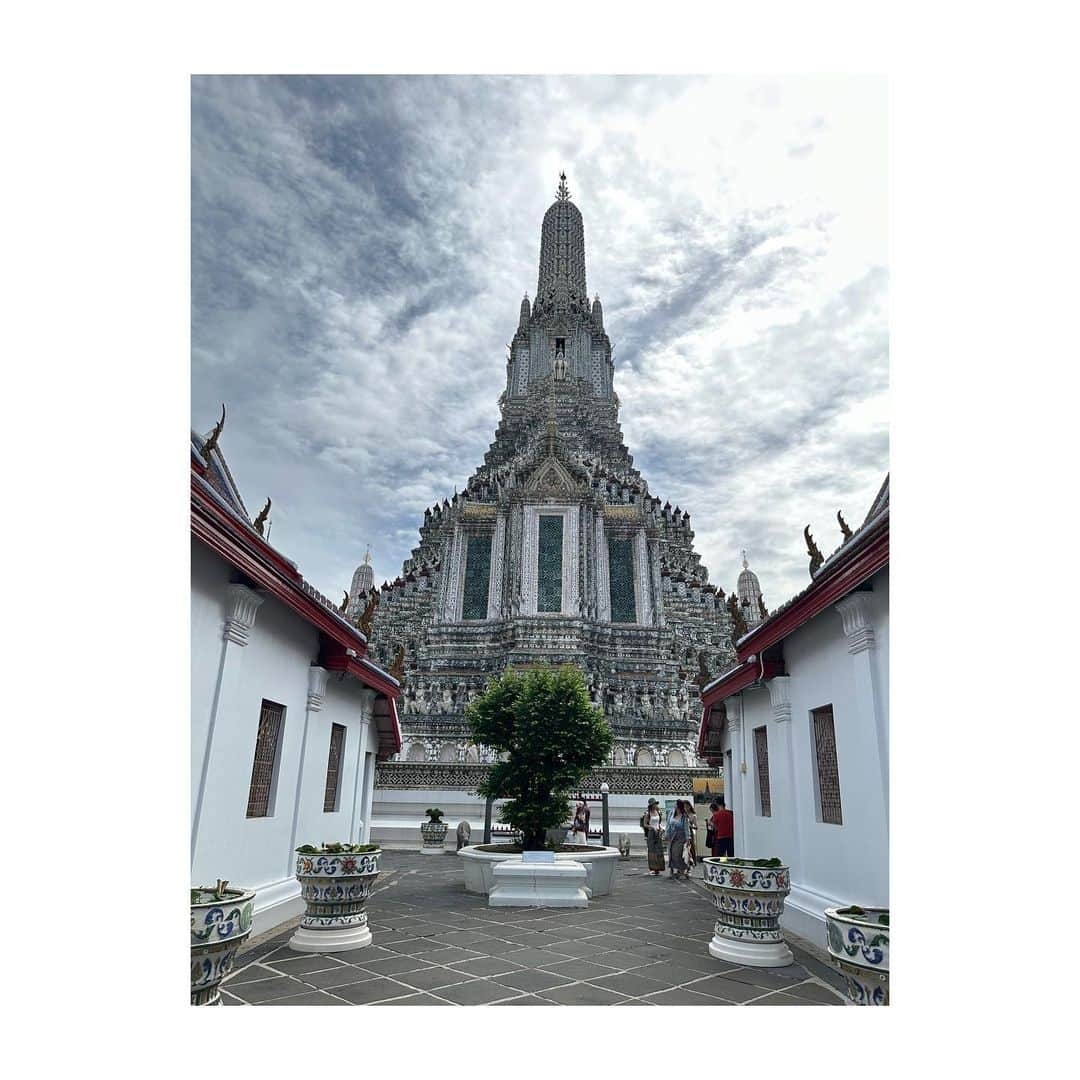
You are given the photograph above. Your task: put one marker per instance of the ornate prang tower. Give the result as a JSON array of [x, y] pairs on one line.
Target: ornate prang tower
[[556, 552]]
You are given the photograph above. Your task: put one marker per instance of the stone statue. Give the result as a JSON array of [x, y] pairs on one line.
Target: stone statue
[[464, 831], [816, 558]]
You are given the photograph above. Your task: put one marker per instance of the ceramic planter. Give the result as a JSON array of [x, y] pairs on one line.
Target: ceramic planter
[[433, 837], [750, 901], [859, 948], [220, 923], [335, 889]]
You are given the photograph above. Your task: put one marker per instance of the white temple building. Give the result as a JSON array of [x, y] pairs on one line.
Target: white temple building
[[288, 717], [801, 727]]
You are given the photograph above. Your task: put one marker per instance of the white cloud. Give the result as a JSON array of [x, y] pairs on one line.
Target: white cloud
[[360, 247]]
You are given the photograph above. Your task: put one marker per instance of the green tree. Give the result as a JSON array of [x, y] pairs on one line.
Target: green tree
[[552, 735]]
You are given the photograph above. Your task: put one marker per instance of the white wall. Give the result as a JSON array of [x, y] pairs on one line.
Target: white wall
[[830, 864], [258, 853]]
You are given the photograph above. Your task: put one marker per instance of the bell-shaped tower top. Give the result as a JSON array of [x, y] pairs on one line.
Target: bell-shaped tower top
[[561, 282]]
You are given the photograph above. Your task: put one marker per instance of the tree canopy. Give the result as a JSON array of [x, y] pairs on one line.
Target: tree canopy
[[551, 734]]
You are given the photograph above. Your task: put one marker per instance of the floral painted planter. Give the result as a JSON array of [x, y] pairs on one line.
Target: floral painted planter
[[750, 900], [859, 948], [220, 923], [433, 837], [335, 887]]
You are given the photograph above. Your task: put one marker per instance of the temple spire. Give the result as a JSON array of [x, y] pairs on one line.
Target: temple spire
[[564, 191]]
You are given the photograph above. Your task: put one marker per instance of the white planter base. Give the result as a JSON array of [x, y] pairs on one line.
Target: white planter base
[[329, 941], [751, 954], [554, 885], [433, 850]]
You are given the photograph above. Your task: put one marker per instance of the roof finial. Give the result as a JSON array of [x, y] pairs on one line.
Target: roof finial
[[367, 555], [745, 564], [564, 191]]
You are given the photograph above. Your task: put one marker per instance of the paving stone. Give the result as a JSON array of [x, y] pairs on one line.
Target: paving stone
[[722, 987], [461, 937], [581, 994], [373, 990], [432, 978], [413, 999], [395, 965], [312, 997], [486, 965], [579, 969], [780, 997], [502, 948], [252, 973], [581, 949], [342, 975], [654, 936], [477, 992], [228, 999], [767, 978], [265, 990], [621, 960], [630, 983], [813, 991], [411, 946], [681, 996], [303, 964], [532, 980]]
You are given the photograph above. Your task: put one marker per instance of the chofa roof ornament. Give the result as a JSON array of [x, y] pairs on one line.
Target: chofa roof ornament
[[816, 558]]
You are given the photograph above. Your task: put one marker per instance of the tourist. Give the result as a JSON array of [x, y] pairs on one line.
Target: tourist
[[653, 825], [580, 830], [677, 834], [723, 827], [691, 834], [709, 842]]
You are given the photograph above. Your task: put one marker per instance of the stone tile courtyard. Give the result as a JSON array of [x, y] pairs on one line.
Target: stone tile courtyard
[[435, 944]]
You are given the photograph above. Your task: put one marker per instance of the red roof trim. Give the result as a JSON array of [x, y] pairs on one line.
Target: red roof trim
[[334, 658], [739, 679], [215, 527], [847, 575]]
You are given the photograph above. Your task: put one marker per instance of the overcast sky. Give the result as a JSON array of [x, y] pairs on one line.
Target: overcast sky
[[360, 247]]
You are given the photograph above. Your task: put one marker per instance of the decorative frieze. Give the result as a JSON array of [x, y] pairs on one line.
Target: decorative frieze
[[462, 776], [780, 696], [858, 629], [242, 604], [316, 695]]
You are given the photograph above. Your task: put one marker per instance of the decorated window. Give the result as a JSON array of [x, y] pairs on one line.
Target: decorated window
[[549, 563], [761, 755], [331, 797], [474, 603], [264, 768], [828, 773], [621, 580]]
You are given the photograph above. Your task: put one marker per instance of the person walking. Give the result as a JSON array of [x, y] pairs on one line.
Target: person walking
[[580, 831], [723, 823], [709, 842], [691, 835], [653, 825], [677, 835]]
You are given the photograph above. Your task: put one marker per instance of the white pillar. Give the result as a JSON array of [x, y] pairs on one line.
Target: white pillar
[[242, 605], [316, 697], [734, 787], [780, 696], [361, 807], [858, 629]]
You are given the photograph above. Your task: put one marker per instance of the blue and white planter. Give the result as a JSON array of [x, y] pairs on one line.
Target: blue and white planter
[[858, 945], [433, 838], [335, 889], [750, 901], [221, 921]]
